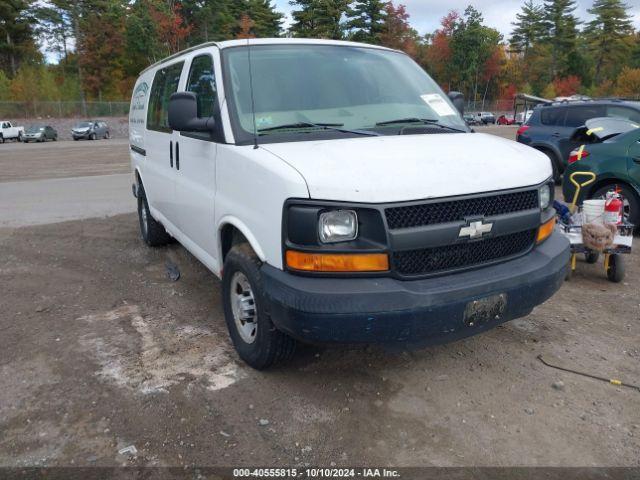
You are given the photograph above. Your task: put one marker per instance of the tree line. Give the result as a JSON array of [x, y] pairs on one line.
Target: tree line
[[102, 45]]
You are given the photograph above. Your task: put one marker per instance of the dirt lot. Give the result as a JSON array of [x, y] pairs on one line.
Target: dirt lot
[[33, 161], [100, 350]]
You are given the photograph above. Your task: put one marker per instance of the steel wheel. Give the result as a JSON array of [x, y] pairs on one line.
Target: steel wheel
[[243, 306]]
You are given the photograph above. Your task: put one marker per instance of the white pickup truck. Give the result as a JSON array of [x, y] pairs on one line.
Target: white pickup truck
[[9, 132]]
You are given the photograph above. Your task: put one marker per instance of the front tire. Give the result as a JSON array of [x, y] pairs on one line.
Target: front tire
[[93, 136], [152, 231], [616, 270], [255, 338]]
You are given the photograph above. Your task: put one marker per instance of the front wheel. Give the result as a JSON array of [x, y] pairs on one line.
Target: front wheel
[[152, 231], [616, 270], [93, 136], [252, 332]]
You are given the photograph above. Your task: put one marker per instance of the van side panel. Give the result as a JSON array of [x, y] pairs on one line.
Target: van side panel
[[252, 186]]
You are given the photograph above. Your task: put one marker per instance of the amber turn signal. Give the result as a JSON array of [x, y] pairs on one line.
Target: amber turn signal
[[546, 230], [328, 262]]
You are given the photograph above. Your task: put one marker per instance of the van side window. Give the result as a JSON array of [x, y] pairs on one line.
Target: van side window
[[202, 81], [552, 116], [165, 83]]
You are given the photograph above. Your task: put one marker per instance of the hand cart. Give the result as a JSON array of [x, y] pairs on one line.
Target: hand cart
[[613, 261]]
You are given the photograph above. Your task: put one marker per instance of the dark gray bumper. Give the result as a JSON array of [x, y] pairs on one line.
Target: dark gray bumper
[[386, 310]]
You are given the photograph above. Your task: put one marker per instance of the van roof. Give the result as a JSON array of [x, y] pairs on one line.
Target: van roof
[[266, 41]]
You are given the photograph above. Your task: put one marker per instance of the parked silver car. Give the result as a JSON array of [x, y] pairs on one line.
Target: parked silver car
[[91, 130], [39, 133]]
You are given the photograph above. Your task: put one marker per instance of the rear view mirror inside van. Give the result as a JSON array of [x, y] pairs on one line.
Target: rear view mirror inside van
[[183, 114]]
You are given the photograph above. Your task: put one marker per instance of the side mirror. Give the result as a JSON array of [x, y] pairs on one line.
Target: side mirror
[[183, 114], [457, 99]]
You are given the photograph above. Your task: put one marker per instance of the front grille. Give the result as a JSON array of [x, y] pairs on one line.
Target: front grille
[[458, 210], [451, 257]]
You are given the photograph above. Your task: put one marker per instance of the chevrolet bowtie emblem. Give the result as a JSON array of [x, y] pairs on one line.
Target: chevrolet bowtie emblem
[[476, 230]]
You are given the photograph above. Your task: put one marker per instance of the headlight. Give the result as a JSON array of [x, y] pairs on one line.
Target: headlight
[[545, 196], [338, 226]]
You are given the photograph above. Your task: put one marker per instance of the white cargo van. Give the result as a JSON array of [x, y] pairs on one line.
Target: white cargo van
[[339, 195]]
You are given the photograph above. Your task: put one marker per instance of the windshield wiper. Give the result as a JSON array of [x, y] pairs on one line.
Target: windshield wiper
[[322, 126], [423, 121]]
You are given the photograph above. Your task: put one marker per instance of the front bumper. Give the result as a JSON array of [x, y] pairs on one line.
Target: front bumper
[[420, 312], [81, 135]]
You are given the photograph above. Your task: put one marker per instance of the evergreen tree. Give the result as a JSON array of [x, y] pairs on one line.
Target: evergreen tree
[[17, 37], [608, 34], [529, 27], [561, 34], [318, 18], [366, 20], [267, 22]]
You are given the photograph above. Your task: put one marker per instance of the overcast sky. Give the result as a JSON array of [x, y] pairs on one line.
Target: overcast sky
[[426, 14]]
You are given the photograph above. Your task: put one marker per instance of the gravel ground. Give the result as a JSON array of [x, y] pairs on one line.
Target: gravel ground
[[100, 350]]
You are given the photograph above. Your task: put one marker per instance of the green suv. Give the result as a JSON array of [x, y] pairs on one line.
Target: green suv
[[610, 148]]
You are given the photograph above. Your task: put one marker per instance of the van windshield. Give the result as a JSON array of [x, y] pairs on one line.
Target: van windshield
[[305, 90]]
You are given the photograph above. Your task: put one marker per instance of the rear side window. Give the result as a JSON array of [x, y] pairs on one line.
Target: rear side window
[[623, 112], [202, 81], [553, 116], [577, 116], [165, 83]]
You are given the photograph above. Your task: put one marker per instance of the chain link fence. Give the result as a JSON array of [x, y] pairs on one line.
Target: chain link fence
[[494, 106], [36, 110]]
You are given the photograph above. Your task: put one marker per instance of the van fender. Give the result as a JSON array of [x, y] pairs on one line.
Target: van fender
[[240, 225]]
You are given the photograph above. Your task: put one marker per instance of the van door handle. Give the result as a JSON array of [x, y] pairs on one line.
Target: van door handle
[[171, 153], [636, 159], [177, 156]]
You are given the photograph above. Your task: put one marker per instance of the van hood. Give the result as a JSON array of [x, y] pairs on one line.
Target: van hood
[[412, 167]]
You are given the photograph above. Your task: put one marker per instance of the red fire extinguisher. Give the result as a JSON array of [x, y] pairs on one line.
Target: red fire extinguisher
[[613, 208]]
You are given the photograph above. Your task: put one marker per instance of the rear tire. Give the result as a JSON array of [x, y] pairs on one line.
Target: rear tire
[[107, 136], [255, 338], [152, 231], [557, 176], [591, 257]]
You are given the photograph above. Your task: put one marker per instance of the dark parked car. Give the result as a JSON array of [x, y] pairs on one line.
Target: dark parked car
[[90, 130], [39, 133], [611, 150], [470, 119], [551, 126]]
